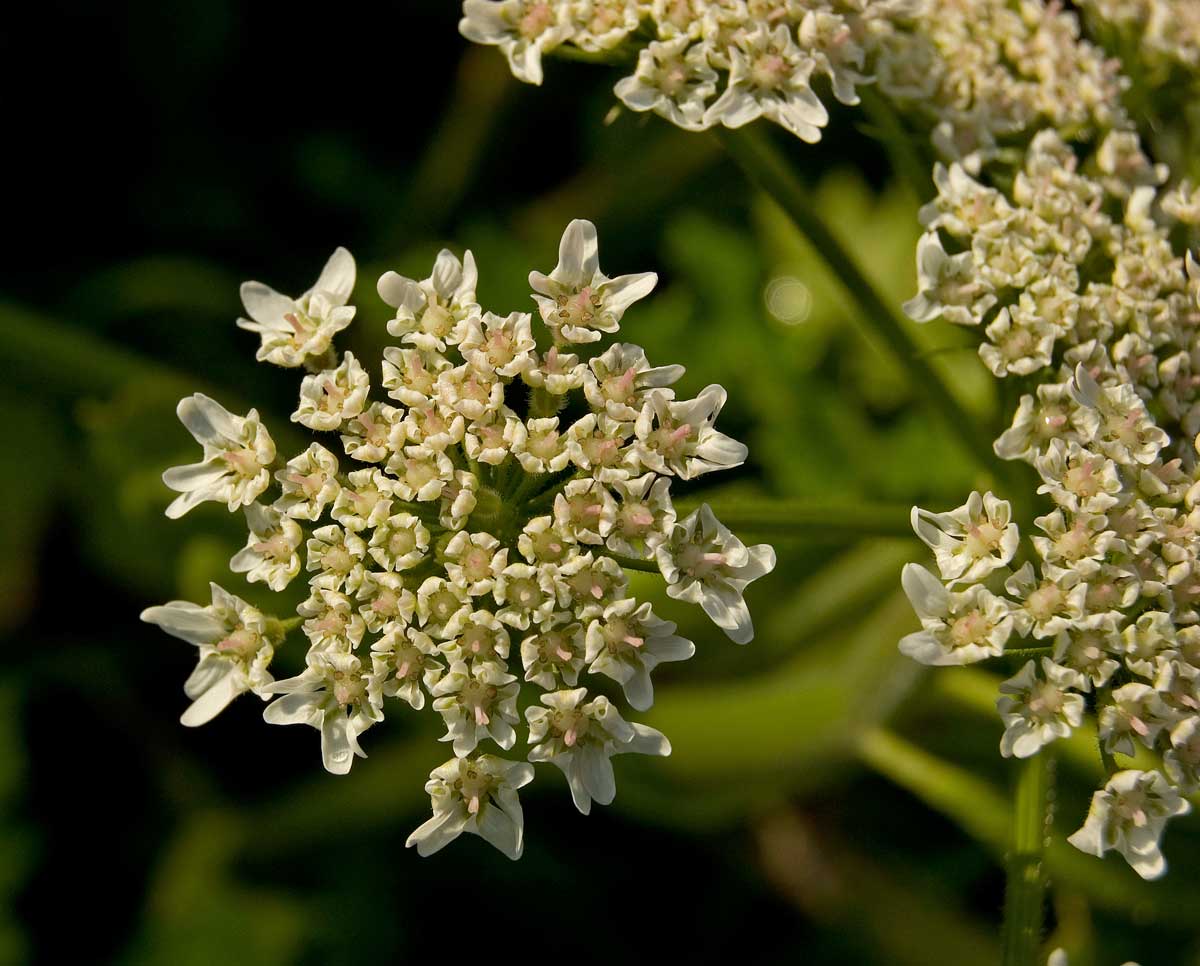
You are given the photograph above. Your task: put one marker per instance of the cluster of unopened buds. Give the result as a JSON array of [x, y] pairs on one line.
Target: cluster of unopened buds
[[976, 72], [1084, 300], [470, 548]]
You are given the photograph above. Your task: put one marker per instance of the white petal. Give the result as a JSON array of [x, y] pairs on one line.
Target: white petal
[[578, 255], [501, 831], [212, 702], [337, 277], [265, 306], [297, 708]]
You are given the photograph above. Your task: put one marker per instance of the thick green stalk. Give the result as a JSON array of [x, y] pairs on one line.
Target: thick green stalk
[[1025, 890], [766, 167]]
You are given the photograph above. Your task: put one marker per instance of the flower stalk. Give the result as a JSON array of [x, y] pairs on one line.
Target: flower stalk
[[764, 165], [1025, 889]]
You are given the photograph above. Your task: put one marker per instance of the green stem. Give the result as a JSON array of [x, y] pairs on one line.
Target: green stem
[[806, 517], [1025, 891], [632, 563], [901, 145], [1027, 652], [767, 168]]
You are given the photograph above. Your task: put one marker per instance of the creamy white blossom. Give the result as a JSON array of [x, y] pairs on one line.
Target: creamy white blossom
[[296, 330], [1129, 815], [238, 452], [236, 647], [469, 551]]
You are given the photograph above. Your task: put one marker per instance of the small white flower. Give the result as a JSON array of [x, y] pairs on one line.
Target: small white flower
[[1129, 815], [491, 438], [235, 650], [590, 583], [365, 437], [972, 540], [429, 425], [295, 330], [365, 503], [526, 594], [441, 604], [402, 661], [597, 444], [384, 600], [309, 483], [1037, 709], [479, 796], [674, 80], [399, 543], [1078, 479], [1182, 759], [522, 29], [580, 737], [474, 560], [542, 543], [332, 622], [554, 656], [630, 642], [707, 565], [1137, 714], [477, 703], [544, 448], [644, 515], [585, 510], [769, 77], [410, 374], [1087, 645], [429, 313], [579, 302], [469, 392], [479, 638], [558, 373], [329, 398], [1047, 606], [333, 696], [421, 473], [458, 499], [503, 345], [270, 553], [619, 379], [337, 557], [237, 453], [947, 286], [679, 438], [957, 628]]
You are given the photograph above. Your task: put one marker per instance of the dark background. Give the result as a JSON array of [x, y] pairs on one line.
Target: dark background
[[157, 155]]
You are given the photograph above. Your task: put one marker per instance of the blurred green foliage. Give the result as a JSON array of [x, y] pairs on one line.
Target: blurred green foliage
[[793, 822]]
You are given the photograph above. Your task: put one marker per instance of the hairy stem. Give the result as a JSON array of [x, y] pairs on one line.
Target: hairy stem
[[1025, 889], [766, 167]]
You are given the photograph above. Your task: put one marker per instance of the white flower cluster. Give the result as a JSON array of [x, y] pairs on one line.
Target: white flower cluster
[[701, 63], [1085, 302], [477, 539], [980, 71], [1167, 32], [985, 71]]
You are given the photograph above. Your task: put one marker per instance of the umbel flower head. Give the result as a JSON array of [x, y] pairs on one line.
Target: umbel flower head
[[467, 549], [1072, 276], [976, 73]]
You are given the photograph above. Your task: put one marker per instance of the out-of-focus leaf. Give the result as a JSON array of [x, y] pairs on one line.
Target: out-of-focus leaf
[[198, 913]]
